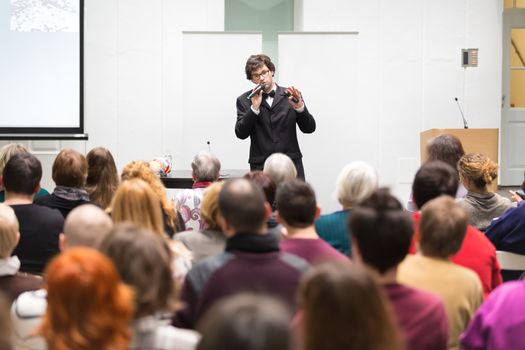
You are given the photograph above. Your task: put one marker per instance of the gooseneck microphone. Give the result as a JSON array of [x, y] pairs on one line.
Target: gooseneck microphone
[[255, 91], [465, 125]]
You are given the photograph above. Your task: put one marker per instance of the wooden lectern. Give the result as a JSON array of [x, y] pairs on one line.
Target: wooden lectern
[[474, 141]]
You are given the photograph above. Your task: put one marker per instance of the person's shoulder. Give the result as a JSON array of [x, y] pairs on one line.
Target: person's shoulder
[[170, 337], [51, 213]]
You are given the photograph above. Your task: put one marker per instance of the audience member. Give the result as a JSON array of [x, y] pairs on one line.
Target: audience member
[[12, 282], [102, 179], [448, 149], [6, 152], [246, 322], [442, 228], [477, 172], [206, 169], [5, 324], [172, 220], [210, 241], [69, 174], [476, 253], [499, 323], [39, 226], [354, 184], [252, 260], [343, 308], [266, 184], [143, 263], [381, 235], [88, 305], [297, 210], [280, 168]]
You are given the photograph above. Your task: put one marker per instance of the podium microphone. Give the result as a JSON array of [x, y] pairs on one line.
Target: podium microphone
[[209, 146], [465, 125], [255, 91]]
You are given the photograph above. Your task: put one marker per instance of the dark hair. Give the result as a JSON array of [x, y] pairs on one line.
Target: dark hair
[[242, 205], [432, 180], [447, 148], [246, 322], [382, 230], [70, 169], [143, 261], [442, 227], [256, 61], [102, 178], [296, 203], [344, 308], [265, 182], [22, 174]]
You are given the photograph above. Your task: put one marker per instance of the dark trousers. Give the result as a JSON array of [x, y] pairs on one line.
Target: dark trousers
[[297, 162]]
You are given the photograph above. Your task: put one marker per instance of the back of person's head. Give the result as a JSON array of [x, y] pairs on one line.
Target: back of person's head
[[9, 150], [88, 307], [206, 167], [265, 182], [356, 181], [22, 174], [432, 180], [442, 226], [446, 148], [143, 261], [382, 230], [9, 231], [344, 308], [210, 211], [296, 203], [136, 202], [70, 169], [242, 205], [255, 62], [102, 179], [86, 226], [246, 322], [477, 169], [280, 168]]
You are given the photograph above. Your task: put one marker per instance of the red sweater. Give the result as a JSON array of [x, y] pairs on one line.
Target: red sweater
[[476, 253]]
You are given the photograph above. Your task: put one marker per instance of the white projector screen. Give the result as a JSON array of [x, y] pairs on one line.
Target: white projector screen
[[41, 69]]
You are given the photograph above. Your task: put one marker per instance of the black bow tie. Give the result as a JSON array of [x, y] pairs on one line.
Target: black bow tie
[[271, 94]]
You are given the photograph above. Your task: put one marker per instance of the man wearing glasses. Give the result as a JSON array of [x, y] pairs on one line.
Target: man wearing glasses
[[269, 116]]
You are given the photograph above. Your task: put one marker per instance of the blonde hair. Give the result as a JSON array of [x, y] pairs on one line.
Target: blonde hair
[[355, 183], [135, 202], [478, 169], [7, 151], [210, 210], [141, 170], [9, 230]]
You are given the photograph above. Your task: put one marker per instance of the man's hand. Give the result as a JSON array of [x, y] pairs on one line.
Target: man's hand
[[257, 99], [292, 92]]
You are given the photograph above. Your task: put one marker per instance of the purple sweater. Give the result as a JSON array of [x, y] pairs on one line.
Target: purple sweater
[[312, 250]]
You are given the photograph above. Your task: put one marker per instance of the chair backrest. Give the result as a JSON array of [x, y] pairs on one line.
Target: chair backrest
[[511, 261]]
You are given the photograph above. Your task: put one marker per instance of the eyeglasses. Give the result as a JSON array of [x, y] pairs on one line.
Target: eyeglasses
[[258, 76]]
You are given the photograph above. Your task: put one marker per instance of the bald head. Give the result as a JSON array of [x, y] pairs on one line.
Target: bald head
[[86, 225], [242, 205]]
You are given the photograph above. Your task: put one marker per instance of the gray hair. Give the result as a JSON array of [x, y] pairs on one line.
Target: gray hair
[[206, 167], [279, 167], [355, 183], [86, 226], [9, 150]]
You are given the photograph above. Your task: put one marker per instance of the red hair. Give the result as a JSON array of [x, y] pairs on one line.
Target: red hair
[[88, 305]]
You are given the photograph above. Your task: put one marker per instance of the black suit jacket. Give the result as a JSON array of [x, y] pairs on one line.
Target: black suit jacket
[[273, 130]]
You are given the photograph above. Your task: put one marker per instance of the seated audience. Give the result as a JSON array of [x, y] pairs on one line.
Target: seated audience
[[442, 228], [252, 261], [268, 187], [39, 226], [144, 263], [246, 322], [12, 282], [499, 323], [5, 324], [354, 184], [102, 179], [88, 307], [476, 253], [6, 152], [344, 308], [279, 167], [206, 169], [448, 149], [172, 220], [69, 174], [210, 241], [381, 235], [477, 172], [297, 210]]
